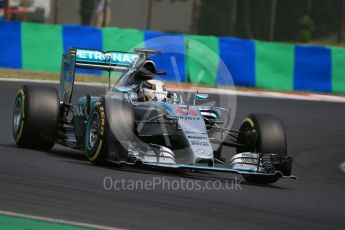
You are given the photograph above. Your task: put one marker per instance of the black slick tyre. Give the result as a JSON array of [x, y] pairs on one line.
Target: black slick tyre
[[35, 117], [265, 134]]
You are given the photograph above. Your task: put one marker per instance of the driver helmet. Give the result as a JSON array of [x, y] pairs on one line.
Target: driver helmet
[[152, 90]]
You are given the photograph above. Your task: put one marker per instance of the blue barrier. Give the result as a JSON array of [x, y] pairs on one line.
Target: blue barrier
[[313, 69], [39, 47], [173, 52], [10, 45], [82, 37], [239, 56]]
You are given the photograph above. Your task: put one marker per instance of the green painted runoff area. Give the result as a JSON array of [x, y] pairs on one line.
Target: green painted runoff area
[[18, 223]]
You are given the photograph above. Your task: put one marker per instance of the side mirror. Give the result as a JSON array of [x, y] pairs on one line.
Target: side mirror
[[200, 96], [123, 89]]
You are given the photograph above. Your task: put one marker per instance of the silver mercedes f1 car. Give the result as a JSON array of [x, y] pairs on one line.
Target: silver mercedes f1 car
[[138, 122]]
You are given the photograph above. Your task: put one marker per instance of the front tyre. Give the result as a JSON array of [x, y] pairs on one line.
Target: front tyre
[[96, 136], [264, 134]]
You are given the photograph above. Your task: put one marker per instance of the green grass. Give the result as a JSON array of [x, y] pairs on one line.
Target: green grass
[[37, 75], [40, 75]]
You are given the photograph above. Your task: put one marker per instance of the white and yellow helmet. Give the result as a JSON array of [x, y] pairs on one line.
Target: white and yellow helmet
[[152, 90]]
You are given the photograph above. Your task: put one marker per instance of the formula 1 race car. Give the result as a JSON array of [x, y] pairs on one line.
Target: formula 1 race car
[[139, 123]]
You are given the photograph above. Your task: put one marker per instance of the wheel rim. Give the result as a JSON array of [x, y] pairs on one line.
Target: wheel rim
[[17, 115], [93, 131], [248, 132]]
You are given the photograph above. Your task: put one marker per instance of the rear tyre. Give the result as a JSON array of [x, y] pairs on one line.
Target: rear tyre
[[35, 117], [265, 134]]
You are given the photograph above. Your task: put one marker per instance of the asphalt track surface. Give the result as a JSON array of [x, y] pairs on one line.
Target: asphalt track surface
[[62, 184]]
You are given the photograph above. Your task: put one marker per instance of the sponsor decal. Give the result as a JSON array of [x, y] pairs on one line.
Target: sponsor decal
[[190, 132], [187, 118], [78, 111], [97, 56], [183, 111], [197, 137], [249, 161], [248, 155], [198, 143]]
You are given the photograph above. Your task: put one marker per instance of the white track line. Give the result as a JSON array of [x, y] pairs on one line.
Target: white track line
[[57, 221], [279, 95], [247, 93], [342, 167]]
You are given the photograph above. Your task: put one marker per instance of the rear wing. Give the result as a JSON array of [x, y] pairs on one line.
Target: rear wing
[[108, 61], [94, 59]]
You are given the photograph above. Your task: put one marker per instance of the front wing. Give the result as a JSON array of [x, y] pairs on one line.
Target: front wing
[[197, 168]]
